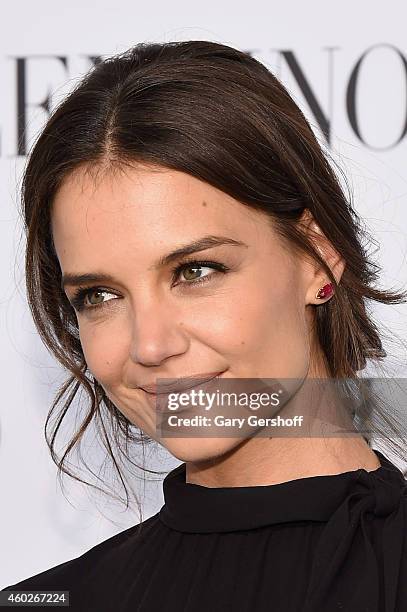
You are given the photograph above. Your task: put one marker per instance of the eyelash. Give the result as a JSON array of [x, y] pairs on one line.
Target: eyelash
[[78, 299]]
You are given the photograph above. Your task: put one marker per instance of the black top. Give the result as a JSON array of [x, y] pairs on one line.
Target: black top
[[315, 544]]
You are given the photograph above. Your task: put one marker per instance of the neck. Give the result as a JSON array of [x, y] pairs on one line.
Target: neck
[[264, 461], [273, 460]]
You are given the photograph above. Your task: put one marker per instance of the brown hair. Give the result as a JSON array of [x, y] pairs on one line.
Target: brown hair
[[218, 114]]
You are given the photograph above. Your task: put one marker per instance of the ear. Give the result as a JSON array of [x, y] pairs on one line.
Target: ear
[[335, 262]]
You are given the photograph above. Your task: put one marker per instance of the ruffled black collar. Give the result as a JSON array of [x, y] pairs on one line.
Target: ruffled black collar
[[194, 508], [344, 504]]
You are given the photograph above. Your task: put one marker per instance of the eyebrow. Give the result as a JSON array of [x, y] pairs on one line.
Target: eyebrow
[[202, 244]]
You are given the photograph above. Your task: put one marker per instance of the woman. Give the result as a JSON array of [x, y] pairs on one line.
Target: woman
[[181, 188]]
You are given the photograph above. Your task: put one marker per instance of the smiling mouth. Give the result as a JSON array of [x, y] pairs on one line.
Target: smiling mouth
[[161, 398], [182, 384]]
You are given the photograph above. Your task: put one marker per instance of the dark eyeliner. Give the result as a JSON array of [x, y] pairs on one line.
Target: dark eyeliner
[[78, 298], [176, 271]]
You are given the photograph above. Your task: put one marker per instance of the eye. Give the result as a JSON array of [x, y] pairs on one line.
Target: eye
[[190, 269], [82, 293]]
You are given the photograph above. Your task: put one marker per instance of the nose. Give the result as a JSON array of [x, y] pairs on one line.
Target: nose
[[156, 334]]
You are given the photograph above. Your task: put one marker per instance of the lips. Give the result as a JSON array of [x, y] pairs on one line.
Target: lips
[[181, 384]]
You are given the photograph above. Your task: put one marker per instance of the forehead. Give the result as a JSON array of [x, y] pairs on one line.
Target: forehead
[[141, 210]]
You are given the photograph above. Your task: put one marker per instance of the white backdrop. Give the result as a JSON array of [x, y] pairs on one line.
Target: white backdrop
[[345, 63]]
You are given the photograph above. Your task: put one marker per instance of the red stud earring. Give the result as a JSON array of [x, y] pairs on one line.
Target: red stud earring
[[325, 291]]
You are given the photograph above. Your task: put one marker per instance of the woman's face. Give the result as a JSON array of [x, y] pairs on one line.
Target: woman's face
[[149, 318]]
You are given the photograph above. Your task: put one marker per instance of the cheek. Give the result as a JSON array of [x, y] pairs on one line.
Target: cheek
[[263, 326], [103, 351], [282, 334]]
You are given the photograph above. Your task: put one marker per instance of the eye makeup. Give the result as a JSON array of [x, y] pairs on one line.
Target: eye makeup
[[78, 300]]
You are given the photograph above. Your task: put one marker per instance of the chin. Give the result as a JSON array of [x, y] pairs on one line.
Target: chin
[[199, 449]]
